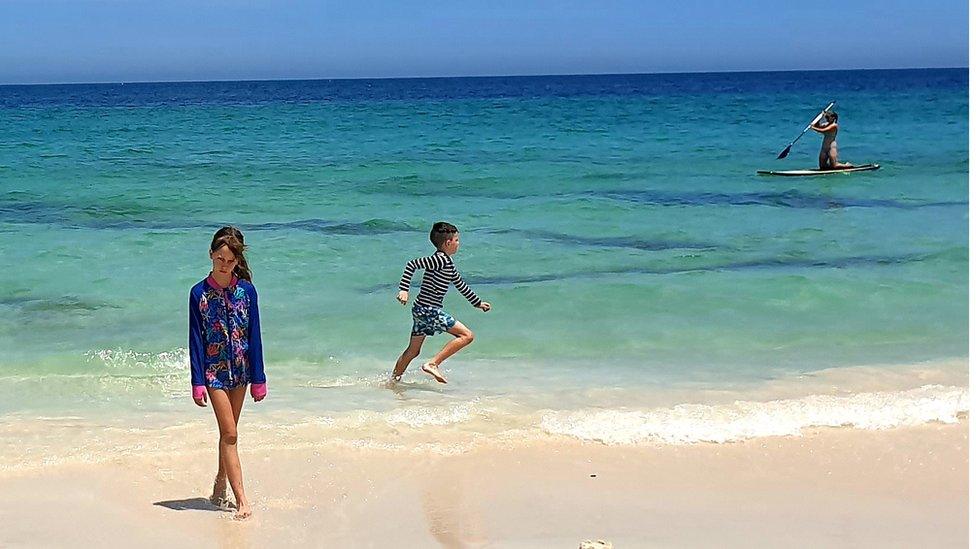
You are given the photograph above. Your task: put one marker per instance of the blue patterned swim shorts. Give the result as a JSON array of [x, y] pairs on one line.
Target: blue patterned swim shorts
[[430, 321]]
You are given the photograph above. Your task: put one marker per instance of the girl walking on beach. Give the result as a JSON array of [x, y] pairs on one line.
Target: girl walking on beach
[[225, 354]]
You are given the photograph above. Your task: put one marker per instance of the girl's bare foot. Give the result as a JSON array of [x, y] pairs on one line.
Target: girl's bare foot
[[219, 496], [434, 370], [243, 511]]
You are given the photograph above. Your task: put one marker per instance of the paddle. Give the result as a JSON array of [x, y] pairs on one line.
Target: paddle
[[786, 151]]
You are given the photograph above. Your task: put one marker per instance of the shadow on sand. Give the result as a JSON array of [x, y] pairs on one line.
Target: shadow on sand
[[192, 504]]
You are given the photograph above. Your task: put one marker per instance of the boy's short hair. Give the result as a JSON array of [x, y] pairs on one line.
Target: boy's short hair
[[441, 232]]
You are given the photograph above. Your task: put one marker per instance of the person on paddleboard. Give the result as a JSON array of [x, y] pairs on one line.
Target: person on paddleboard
[[828, 126]]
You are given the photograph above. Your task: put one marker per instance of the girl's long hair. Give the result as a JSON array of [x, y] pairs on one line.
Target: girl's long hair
[[233, 238]]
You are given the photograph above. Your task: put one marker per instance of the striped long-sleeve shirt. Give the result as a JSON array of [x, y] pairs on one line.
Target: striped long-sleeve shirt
[[439, 274]]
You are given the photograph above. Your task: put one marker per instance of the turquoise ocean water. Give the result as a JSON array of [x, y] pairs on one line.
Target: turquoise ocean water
[[636, 263]]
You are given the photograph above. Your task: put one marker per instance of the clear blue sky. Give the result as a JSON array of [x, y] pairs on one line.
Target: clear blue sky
[[137, 40]]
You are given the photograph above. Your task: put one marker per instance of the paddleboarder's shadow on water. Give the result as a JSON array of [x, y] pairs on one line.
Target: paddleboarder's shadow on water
[[192, 504]]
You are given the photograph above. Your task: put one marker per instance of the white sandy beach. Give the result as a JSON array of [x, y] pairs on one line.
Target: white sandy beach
[[904, 487]]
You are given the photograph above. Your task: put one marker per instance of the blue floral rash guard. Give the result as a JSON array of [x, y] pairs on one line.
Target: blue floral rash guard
[[225, 335]]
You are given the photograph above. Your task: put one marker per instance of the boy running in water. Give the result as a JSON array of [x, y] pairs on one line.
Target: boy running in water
[[428, 316]]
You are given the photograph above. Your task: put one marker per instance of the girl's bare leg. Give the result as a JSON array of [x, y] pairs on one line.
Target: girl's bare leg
[[410, 353], [219, 496], [462, 337], [227, 407]]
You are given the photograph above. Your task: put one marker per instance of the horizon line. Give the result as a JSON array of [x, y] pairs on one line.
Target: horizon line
[[442, 77]]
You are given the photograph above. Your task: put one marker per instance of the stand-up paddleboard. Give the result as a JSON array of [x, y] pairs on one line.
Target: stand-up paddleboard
[[796, 173]]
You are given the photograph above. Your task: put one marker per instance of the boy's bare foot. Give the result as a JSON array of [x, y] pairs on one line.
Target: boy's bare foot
[[219, 496], [434, 370], [243, 512]]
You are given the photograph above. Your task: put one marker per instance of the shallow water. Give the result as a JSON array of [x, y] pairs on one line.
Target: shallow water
[[615, 223]]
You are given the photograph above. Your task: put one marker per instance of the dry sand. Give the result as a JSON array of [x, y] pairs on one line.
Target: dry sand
[[905, 487]]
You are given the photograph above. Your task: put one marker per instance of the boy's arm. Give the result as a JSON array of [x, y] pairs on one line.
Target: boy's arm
[[408, 274], [464, 290], [428, 263]]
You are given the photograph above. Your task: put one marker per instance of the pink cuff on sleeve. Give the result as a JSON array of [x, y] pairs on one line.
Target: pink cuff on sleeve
[[259, 390], [199, 391]]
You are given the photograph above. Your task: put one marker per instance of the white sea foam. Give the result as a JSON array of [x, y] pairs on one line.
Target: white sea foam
[[37, 442], [423, 416], [348, 381], [690, 423], [124, 359]]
